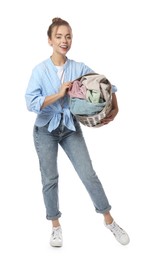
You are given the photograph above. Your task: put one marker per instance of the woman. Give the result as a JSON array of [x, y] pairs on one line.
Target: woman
[[46, 95]]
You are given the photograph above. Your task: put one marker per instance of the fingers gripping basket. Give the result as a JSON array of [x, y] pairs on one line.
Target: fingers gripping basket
[[101, 83]]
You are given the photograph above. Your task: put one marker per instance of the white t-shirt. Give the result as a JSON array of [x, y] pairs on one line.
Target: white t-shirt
[[60, 72]]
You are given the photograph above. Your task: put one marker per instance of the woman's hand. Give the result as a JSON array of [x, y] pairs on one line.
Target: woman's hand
[[64, 88], [110, 117]]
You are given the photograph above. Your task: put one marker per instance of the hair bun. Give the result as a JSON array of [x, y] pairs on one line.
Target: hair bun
[[56, 19]]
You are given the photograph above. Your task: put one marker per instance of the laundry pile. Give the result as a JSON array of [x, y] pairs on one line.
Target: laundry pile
[[90, 99]]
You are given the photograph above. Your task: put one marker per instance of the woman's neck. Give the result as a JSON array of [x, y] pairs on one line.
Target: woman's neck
[[58, 60]]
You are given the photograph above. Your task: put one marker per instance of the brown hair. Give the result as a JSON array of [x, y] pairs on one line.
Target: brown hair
[[56, 22]]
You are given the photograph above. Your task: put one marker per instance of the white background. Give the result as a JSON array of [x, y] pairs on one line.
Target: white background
[[110, 36]]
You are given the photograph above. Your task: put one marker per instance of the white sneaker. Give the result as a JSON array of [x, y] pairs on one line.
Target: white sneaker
[[120, 234], [56, 237]]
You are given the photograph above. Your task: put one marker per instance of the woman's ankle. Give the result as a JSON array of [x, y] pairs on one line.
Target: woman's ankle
[[55, 223], [108, 218]]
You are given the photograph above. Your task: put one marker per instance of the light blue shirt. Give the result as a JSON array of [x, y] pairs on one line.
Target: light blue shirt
[[43, 82]]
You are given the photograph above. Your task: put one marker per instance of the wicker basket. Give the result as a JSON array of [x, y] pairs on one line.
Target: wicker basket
[[95, 120]]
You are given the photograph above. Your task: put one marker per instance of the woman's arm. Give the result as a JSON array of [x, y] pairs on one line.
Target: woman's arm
[[110, 117], [53, 98]]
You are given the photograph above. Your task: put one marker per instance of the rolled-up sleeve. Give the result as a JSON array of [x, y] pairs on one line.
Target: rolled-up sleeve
[[33, 96], [114, 89]]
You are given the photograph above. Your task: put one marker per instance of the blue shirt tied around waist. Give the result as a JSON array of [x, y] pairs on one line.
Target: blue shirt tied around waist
[[43, 82]]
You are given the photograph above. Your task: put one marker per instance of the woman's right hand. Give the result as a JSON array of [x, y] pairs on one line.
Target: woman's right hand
[[65, 86]]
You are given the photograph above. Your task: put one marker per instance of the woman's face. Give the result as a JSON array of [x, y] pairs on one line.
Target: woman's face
[[61, 39]]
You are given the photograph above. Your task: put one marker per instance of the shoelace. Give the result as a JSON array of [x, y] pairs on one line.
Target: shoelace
[[117, 230], [56, 234]]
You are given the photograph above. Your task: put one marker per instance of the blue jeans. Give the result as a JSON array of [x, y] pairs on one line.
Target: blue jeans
[[73, 144]]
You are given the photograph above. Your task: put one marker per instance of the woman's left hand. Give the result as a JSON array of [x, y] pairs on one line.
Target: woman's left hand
[[110, 117]]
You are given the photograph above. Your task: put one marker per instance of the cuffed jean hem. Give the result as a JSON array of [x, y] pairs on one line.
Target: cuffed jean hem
[[54, 218], [103, 211]]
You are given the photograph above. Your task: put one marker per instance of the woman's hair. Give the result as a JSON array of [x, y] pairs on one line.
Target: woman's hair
[[56, 22]]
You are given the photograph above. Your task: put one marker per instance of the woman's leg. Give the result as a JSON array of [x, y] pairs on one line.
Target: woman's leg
[[75, 147], [47, 147]]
